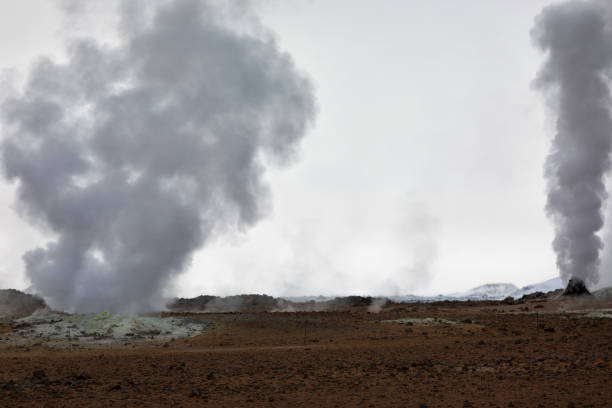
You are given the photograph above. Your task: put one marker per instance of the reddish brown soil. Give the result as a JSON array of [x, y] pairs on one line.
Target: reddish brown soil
[[496, 358]]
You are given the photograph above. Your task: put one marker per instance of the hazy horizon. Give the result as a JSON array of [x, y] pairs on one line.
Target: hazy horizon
[[418, 169]]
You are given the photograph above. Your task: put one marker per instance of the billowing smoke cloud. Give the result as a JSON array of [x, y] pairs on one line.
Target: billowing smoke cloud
[[133, 155], [578, 41]]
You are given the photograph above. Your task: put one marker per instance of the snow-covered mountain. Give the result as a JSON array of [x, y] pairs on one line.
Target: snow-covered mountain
[[546, 286], [488, 291], [497, 291]]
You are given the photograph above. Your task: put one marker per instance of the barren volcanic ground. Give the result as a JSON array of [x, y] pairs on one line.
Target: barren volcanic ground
[[541, 352]]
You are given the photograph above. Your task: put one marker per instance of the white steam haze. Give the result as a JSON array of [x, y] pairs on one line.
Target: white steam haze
[[577, 39], [422, 173], [134, 155]]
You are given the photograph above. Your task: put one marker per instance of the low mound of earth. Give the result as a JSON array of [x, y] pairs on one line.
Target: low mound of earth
[[603, 293], [16, 303], [541, 351]]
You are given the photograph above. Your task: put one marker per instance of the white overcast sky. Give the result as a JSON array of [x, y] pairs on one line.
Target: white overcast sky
[[423, 173]]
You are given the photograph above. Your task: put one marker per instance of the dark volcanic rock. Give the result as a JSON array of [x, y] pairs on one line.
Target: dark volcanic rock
[[355, 301], [238, 303], [264, 303], [534, 295], [191, 304], [576, 287]]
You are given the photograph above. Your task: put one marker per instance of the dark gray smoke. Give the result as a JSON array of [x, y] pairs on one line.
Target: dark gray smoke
[[577, 39], [133, 155]]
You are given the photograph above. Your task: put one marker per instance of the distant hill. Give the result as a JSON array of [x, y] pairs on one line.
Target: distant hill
[[546, 286], [488, 291], [493, 291], [603, 293], [265, 303]]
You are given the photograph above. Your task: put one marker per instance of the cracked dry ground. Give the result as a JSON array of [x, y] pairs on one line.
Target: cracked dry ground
[[495, 358]]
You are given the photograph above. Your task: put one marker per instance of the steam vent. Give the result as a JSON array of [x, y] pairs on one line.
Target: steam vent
[[575, 287]]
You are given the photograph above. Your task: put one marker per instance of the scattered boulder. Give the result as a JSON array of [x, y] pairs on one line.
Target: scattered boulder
[[11, 386], [115, 387], [82, 377], [38, 377]]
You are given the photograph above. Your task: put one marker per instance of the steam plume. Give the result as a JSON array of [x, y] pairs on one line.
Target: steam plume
[[134, 155], [577, 39]]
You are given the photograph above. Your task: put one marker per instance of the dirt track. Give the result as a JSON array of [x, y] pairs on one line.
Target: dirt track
[[499, 356]]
